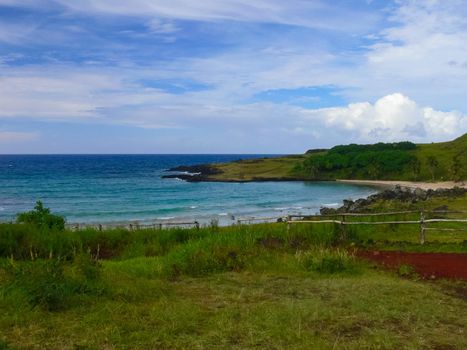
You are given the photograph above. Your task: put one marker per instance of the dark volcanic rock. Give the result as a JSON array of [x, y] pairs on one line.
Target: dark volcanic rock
[[398, 194], [192, 173], [204, 169]]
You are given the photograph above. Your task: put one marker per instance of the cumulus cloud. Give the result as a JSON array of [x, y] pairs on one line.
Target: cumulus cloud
[[391, 118]]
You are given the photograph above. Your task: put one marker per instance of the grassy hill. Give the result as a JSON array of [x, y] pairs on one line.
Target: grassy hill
[[382, 161]]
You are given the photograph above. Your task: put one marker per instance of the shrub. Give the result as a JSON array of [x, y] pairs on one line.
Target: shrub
[[27, 241], [50, 284], [43, 281], [41, 217], [405, 270], [374, 161], [204, 257]]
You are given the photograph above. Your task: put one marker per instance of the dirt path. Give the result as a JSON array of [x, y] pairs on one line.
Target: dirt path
[[428, 265]]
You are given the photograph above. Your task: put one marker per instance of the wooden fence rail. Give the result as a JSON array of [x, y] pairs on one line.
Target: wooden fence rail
[[422, 222], [306, 219], [133, 226], [380, 214]]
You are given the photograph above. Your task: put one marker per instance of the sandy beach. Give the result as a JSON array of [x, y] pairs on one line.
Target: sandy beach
[[408, 184]]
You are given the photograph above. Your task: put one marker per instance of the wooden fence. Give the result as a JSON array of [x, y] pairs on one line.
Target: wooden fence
[[133, 225], [338, 219], [422, 221]]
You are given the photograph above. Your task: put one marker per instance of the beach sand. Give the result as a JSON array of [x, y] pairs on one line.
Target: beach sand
[[407, 184]]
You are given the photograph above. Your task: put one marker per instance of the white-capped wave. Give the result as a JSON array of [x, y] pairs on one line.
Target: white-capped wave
[[331, 204]]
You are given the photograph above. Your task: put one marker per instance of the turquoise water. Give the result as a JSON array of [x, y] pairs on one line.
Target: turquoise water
[[123, 188]]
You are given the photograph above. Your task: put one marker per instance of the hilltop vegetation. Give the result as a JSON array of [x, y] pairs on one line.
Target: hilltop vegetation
[[378, 161], [390, 161], [446, 161]]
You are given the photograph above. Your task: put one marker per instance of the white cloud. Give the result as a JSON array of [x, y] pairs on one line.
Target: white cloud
[[421, 53], [13, 33], [158, 26], [313, 14], [391, 118], [36, 95]]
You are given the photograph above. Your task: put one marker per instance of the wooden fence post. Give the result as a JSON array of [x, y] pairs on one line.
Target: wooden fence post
[[422, 227], [343, 228], [289, 219], [197, 225]]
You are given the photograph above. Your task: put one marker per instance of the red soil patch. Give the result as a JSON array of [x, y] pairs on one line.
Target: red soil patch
[[428, 265]]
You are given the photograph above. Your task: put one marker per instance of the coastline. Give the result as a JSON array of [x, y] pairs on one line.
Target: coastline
[[406, 184]]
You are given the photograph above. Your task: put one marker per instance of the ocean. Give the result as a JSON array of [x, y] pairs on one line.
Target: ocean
[[125, 188]]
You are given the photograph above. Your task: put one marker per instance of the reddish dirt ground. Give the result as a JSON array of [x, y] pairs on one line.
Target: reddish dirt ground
[[427, 265]]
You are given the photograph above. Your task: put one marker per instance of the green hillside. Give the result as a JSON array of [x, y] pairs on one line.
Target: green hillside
[[446, 161], [390, 161]]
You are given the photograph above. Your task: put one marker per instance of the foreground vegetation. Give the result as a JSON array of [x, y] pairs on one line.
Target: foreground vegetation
[[250, 286], [393, 161]]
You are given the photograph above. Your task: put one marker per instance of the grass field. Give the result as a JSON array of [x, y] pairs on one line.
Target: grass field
[[240, 287], [264, 169], [290, 167], [254, 309]]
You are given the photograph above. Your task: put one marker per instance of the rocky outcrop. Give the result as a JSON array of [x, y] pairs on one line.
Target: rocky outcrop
[[192, 173], [396, 194]]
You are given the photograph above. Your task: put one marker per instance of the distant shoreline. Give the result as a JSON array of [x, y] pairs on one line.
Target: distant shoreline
[[407, 184]]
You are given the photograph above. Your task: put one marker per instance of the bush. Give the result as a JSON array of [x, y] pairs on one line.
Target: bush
[[43, 281], [405, 270], [51, 284], [211, 254], [27, 241], [375, 161], [42, 218]]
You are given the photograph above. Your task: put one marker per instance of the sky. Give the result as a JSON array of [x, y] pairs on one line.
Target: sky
[[229, 76]]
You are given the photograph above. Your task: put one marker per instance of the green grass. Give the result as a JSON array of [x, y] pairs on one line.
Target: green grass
[[275, 168], [444, 153], [292, 309], [292, 167], [240, 287]]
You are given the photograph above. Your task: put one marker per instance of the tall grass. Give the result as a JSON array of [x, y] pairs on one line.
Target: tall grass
[[52, 283], [328, 261], [27, 242]]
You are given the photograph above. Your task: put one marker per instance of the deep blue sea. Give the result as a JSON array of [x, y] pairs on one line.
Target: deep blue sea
[[122, 188]]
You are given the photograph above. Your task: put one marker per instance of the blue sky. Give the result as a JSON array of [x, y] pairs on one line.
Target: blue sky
[[229, 76]]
